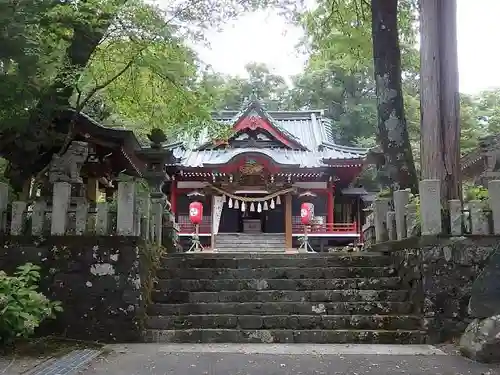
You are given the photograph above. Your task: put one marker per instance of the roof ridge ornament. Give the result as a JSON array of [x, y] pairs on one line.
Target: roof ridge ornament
[[254, 98]]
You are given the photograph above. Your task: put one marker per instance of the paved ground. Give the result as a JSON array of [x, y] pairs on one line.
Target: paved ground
[[15, 366], [271, 359]]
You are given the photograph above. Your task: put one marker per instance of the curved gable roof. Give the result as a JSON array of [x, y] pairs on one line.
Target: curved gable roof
[[310, 130]]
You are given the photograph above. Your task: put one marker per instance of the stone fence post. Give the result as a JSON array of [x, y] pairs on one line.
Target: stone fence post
[[494, 202], [401, 199], [18, 219], [144, 212], [430, 207], [38, 217], [478, 220], [157, 209], [4, 202], [125, 220], [391, 226], [381, 207], [60, 204], [455, 208], [102, 219]]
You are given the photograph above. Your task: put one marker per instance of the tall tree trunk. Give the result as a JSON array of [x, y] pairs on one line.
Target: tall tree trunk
[[440, 103], [392, 129]]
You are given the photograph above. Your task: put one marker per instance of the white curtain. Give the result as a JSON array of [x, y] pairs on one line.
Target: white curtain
[[218, 204]]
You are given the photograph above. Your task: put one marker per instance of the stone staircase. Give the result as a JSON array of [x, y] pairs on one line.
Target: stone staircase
[[281, 298], [250, 242]]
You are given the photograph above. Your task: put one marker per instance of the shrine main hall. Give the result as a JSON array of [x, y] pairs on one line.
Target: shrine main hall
[[253, 183]]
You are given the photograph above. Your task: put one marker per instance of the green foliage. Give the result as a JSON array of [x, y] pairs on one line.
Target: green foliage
[[415, 199], [230, 93], [348, 99], [22, 308], [133, 54], [127, 61], [475, 192], [338, 35], [340, 31]]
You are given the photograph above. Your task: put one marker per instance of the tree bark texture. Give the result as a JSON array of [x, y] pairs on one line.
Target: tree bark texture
[[439, 96], [392, 128]]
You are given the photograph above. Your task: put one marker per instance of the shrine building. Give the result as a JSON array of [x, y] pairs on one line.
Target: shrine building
[[254, 182], [482, 164]]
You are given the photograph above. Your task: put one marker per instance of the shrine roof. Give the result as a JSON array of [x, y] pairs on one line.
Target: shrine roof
[[298, 158], [87, 126], [309, 131], [309, 128], [478, 154]]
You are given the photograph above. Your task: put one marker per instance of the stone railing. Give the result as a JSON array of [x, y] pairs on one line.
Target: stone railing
[[134, 214], [398, 219]]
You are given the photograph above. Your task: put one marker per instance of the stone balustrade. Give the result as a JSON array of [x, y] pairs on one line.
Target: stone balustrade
[[400, 218], [135, 214]]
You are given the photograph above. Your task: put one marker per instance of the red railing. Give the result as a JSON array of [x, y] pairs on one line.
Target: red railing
[[320, 227], [185, 225]]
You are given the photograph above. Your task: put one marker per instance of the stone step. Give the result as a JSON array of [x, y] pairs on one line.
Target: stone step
[[287, 256], [250, 237], [244, 235], [225, 261], [301, 322], [249, 240], [259, 249], [209, 285], [251, 245], [351, 295], [284, 336], [281, 308], [254, 246], [275, 273]]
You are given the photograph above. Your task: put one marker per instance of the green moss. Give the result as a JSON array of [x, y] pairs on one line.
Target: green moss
[[151, 256]]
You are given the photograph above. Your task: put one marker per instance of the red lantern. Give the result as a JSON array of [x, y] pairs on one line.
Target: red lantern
[[306, 213], [195, 212]]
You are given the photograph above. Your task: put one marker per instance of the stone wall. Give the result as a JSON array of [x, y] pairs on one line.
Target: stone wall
[[97, 279], [440, 272]]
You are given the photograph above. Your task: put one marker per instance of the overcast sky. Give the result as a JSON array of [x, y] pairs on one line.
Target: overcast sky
[[264, 37]]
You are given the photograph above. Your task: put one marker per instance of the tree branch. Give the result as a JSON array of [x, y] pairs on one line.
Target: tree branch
[[103, 85]]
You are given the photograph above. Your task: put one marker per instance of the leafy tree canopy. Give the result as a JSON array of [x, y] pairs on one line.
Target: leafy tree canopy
[[128, 63]]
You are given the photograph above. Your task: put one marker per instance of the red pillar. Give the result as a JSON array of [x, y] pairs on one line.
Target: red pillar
[[329, 206], [173, 197]]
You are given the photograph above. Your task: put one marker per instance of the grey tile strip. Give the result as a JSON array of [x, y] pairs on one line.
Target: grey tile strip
[[68, 364]]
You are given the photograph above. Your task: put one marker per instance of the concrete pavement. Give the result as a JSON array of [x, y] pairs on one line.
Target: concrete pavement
[[296, 359]]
